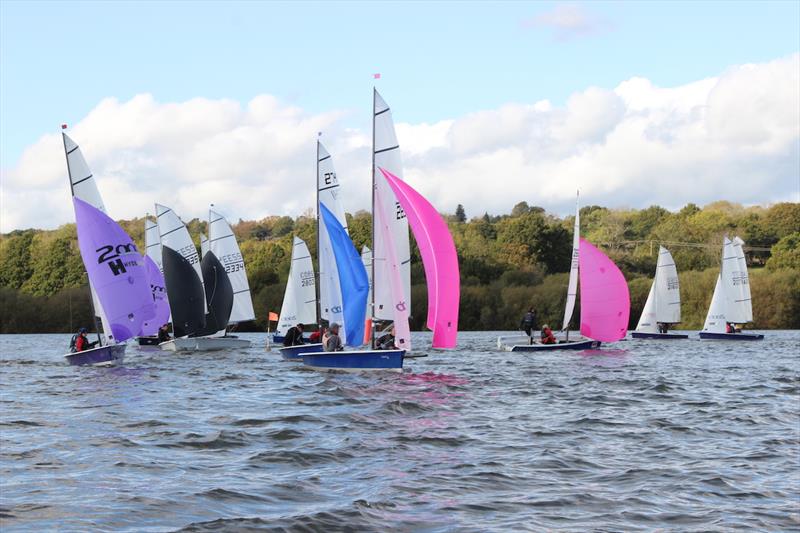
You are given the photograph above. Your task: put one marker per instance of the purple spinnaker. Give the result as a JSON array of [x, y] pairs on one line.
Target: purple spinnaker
[[159, 291], [439, 258], [116, 271], [605, 299]]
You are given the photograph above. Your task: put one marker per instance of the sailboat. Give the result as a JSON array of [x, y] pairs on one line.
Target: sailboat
[[604, 296], [299, 300], [222, 244], [118, 282], [200, 292], [329, 288], [152, 261], [731, 303], [395, 206], [663, 305]]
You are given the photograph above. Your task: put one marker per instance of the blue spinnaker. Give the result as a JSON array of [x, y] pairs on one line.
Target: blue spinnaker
[[352, 278]]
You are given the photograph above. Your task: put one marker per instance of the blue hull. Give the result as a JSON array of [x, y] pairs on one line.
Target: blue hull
[[658, 336], [391, 360], [108, 355], [292, 353], [731, 336], [580, 345]]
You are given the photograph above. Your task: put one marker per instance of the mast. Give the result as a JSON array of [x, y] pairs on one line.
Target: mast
[[91, 293], [317, 294], [372, 265]]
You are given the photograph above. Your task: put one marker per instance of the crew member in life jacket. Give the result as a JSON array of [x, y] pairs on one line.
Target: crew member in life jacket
[[547, 336], [163, 334], [528, 322], [294, 337], [386, 341], [730, 328], [316, 337], [80, 342], [333, 342]]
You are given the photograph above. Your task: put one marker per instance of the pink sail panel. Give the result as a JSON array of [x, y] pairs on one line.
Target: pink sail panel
[[160, 302], [438, 257], [116, 271], [605, 299]]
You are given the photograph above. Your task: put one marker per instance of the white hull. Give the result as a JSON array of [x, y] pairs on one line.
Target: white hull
[[204, 344]]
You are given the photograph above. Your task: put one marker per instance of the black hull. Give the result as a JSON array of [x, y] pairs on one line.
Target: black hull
[[731, 336], [147, 341], [658, 336]]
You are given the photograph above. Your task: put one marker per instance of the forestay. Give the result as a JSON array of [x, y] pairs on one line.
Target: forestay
[[300, 299], [386, 155], [222, 243]]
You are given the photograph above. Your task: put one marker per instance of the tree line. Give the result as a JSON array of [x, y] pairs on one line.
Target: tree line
[[508, 263]]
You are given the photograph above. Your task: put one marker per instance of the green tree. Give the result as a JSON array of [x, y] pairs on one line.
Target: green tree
[[786, 253]]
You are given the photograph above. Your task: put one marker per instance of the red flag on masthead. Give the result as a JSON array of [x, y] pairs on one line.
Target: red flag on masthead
[[376, 76], [63, 126]]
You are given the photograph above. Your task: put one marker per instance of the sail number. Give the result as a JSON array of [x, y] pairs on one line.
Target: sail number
[[307, 278], [401, 214], [111, 255], [232, 262], [330, 178]]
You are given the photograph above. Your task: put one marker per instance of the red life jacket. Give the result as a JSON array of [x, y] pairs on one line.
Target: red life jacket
[[80, 343]]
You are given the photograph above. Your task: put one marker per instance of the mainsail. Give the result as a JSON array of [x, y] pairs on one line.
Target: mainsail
[[152, 262], [439, 259], [605, 299], [222, 243], [572, 288], [664, 300], [352, 278], [300, 299], [116, 272], [386, 155], [328, 195], [203, 245]]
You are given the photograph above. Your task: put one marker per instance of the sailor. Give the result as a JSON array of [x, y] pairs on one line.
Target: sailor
[[333, 343], [80, 342], [294, 337], [163, 334], [528, 322], [386, 341], [662, 327], [547, 336], [730, 328], [316, 337]]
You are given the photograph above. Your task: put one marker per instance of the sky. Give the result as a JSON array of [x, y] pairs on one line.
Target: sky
[[191, 103]]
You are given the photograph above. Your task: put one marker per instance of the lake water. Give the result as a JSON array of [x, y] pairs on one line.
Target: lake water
[[681, 436]]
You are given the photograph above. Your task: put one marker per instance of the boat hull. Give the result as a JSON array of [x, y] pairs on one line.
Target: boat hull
[[356, 361], [147, 341], [586, 344], [709, 336], [109, 355], [292, 353], [658, 336], [204, 344]]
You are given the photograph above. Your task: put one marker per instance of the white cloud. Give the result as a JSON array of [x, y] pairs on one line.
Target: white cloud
[[568, 21], [735, 137]]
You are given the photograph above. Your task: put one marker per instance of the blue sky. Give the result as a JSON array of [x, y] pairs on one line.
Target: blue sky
[[439, 60]]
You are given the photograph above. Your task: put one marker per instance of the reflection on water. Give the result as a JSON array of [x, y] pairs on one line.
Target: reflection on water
[[684, 435]]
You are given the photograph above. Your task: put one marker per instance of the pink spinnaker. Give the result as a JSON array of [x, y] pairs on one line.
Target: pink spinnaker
[[438, 257], [605, 299]]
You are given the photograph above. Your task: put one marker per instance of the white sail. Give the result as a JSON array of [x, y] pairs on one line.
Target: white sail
[[572, 288], [300, 299], [737, 306], [80, 177], [222, 243], [173, 234], [366, 258], [744, 280], [715, 319], [667, 289], [386, 155], [328, 190], [203, 245], [83, 186], [648, 322], [152, 243]]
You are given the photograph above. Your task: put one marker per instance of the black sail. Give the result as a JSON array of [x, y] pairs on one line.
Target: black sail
[[185, 294], [219, 293]]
